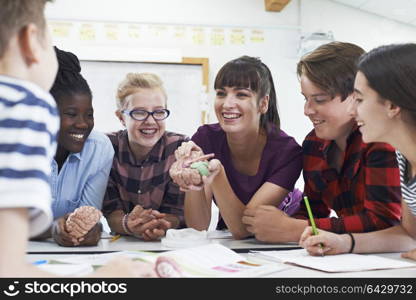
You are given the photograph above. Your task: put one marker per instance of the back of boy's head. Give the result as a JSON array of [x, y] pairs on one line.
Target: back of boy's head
[[332, 67], [15, 15], [69, 81]]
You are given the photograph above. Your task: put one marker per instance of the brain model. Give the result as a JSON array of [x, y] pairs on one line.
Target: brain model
[[202, 167], [189, 170], [81, 220]]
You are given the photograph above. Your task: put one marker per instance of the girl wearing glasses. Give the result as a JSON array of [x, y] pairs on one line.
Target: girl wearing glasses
[[82, 161], [385, 111], [255, 163], [141, 200]]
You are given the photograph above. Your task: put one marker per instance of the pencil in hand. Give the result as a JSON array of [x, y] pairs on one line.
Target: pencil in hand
[[311, 219]]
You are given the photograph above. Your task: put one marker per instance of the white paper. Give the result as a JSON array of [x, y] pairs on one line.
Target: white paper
[[208, 256], [219, 234], [67, 269], [333, 263], [100, 259], [211, 260], [184, 238], [216, 260]]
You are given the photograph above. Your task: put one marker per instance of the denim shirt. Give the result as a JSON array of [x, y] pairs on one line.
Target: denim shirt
[[83, 176]]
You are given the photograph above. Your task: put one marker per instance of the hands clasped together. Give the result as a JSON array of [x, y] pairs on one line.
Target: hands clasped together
[[147, 224], [192, 170]]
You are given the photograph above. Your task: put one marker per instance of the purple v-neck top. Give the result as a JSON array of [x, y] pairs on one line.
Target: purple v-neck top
[[280, 164]]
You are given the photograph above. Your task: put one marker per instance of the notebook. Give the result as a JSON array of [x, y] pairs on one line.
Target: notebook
[[333, 263], [210, 260]]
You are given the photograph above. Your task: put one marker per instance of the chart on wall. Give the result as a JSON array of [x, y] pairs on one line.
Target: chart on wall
[[182, 83]]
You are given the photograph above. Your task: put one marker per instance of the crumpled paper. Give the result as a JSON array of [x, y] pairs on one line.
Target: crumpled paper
[[186, 237]]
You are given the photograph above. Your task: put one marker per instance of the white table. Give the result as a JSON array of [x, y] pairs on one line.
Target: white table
[[49, 249], [131, 243], [292, 271]]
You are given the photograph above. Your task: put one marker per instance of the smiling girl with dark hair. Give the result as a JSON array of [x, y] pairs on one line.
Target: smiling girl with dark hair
[[256, 163], [82, 161]]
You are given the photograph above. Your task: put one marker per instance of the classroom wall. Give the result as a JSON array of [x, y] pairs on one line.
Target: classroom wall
[[352, 25], [212, 12], [281, 32], [278, 51]]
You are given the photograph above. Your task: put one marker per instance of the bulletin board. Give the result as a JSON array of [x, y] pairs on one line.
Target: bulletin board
[[185, 83]]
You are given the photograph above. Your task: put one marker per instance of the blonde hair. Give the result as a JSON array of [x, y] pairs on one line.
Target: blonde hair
[[135, 81]]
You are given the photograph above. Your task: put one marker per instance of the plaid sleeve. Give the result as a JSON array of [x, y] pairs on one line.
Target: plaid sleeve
[[319, 208], [312, 177], [112, 200], [173, 202], [381, 207]]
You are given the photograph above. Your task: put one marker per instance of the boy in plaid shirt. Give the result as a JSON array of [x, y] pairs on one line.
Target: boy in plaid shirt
[[360, 182]]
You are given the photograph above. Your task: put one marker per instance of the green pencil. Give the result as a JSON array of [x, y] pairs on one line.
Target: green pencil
[[314, 229]]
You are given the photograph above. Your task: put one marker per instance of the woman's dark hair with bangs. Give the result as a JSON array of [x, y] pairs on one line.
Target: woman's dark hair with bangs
[[251, 72], [391, 71]]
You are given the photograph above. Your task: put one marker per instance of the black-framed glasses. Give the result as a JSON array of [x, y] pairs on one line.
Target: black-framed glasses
[[142, 115]]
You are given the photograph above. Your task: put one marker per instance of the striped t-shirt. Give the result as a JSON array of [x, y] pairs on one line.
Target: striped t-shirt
[[28, 126], [408, 185]]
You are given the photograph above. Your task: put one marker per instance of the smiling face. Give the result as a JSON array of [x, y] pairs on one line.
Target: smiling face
[[371, 113], [77, 121], [144, 134], [237, 109], [329, 115]]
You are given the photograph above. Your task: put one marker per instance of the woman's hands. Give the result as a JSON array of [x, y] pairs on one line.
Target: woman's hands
[[183, 172]]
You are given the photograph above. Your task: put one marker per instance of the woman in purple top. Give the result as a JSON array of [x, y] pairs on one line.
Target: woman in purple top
[[255, 162]]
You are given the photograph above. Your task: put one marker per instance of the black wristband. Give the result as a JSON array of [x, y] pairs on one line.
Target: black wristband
[[352, 242]]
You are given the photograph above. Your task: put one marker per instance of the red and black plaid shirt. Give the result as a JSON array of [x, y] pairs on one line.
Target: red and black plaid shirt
[[365, 194], [145, 183]]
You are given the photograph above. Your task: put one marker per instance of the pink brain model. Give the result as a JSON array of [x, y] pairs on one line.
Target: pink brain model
[[182, 169], [82, 220]]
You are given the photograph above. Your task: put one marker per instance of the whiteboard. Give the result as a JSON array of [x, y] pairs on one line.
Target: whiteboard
[[183, 84]]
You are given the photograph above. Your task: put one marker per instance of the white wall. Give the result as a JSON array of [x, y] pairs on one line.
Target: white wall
[[352, 25], [212, 12], [282, 32]]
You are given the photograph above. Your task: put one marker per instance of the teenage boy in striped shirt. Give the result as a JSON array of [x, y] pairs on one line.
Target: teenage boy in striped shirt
[[28, 128]]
